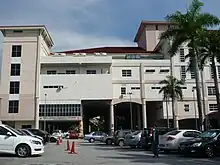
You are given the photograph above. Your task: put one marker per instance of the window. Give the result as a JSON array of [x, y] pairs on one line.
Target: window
[[211, 91], [90, 71], [123, 90], [186, 107], [133, 56], [183, 87], [149, 70], [192, 74], [17, 31], [174, 132], [213, 107], [189, 134], [126, 73], [211, 73], [164, 70], [155, 87], [14, 87], [183, 72], [70, 72], [135, 88], [15, 69], [16, 51], [156, 27], [218, 72], [53, 86], [3, 131], [60, 110], [13, 106], [51, 72], [182, 55], [26, 126]]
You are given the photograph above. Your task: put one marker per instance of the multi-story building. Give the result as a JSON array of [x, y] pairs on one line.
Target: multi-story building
[[121, 84]]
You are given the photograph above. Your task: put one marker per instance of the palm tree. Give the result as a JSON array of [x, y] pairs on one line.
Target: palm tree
[[187, 28], [172, 89], [209, 48]]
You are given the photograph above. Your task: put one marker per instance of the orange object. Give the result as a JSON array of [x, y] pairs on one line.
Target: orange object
[[58, 142], [73, 149], [67, 145], [61, 140]]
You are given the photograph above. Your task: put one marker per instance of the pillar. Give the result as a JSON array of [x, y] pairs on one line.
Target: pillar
[[111, 121], [36, 115], [138, 117], [81, 126], [144, 114]]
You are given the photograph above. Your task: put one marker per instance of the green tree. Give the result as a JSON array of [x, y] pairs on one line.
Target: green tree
[[172, 89], [186, 28]]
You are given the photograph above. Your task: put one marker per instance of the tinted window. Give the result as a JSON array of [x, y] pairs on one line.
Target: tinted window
[[188, 134], [209, 134], [28, 133], [136, 132], [3, 131], [175, 132]]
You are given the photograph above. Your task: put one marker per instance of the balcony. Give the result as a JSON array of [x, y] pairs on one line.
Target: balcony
[[88, 59], [76, 87]]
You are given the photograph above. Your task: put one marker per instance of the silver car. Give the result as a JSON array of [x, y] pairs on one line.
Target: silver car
[[94, 136], [133, 139]]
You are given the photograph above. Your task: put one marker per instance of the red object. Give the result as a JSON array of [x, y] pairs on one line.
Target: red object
[[68, 146], [73, 135], [170, 138], [58, 141], [73, 149], [61, 140]]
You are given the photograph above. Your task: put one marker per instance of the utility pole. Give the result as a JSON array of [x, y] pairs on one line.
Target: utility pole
[[45, 109], [130, 93]]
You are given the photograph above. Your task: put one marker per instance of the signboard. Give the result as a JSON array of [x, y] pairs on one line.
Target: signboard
[[69, 118]]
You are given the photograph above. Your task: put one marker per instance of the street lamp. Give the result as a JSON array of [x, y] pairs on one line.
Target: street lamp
[[130, 93], [194, 101], [45, 109]]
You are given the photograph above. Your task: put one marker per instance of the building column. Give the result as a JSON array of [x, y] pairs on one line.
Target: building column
[[36, 115], [111, 121], [138, 117], [144, 114], [81, 126]]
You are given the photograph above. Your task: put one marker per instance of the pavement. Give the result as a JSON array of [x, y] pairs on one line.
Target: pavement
[[100, 154]]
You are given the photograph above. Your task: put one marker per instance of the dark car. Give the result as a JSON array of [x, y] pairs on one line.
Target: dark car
[[207, 144], [146, 136], [45, 135], [28, 133]]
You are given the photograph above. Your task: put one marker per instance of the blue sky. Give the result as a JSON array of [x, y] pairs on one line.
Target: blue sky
[[89, 23]]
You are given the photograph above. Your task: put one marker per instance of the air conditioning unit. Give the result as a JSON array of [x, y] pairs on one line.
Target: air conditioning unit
[[97, 54], [104, 54], [76, 54]]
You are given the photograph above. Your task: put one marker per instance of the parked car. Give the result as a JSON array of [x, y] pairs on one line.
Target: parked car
[[28, 133], [13, 141], [73, 134], [58, 133], [94, 136], [133, 139], [119, 136], [207, 144], [107, 139], [146, 136], [171, 140], [45, 135]]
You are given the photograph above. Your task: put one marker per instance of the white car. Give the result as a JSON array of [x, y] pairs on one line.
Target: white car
[[171, 140], [15, 142]]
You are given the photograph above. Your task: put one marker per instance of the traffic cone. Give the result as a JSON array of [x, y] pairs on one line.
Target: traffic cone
[[67, 145], [73, 149], [58, 142], [61, 140]]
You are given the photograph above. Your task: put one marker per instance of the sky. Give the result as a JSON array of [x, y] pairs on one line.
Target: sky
[[75, 24]]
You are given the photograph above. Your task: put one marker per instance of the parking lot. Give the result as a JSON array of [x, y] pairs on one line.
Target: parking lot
[[98, 153]]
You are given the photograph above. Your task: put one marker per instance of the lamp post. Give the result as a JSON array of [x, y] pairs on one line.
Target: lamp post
[[45, 109], [130, 93], [194, 101]]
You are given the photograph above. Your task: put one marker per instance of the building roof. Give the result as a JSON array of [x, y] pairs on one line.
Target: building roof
[[43, 29], [108, 50], [145, 23]]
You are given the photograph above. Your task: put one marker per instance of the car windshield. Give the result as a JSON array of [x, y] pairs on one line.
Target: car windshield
[[15, 131], [209, 134], [27, 132], [136, 132], [175, 132]]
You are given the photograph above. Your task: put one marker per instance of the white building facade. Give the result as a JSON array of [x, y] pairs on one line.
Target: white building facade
[[38, 86]]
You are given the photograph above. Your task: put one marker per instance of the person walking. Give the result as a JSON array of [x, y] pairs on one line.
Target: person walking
[[155, 142]]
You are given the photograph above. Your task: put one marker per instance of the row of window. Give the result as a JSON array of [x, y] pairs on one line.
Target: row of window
[[93, 71], [123, 90], [60, 110], [212, 107]]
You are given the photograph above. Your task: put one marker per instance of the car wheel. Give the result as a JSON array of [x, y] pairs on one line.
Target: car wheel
[[91, 140], [108, 141], [121, 143], [23, 150], [209, 152]]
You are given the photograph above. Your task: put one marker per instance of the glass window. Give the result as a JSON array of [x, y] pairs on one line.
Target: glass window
[[90, 71], [14, 87], [70, 72], [123, 90], [183, 72], [51, 72], [14, 130], [13, 106], [126, 73], [15, 69], [211, 91], [213, 107], [186, 107], [175, 132], [3, 131], [182, 55], [188, 134], [16, 50]]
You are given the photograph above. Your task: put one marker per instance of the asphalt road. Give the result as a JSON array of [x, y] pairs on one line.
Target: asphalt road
[[99, 154]]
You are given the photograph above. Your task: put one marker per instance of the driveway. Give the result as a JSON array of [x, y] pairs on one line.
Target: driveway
[[100, 154]]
